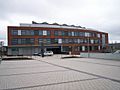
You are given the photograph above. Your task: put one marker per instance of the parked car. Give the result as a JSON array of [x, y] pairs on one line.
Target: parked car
[[48, 53], [37, 54], [117, 52]]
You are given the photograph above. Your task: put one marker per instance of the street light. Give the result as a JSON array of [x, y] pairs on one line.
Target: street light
[[88, 44], [1, 50], [42, 49]]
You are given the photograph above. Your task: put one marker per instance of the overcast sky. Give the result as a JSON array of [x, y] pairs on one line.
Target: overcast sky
[[101, 15]]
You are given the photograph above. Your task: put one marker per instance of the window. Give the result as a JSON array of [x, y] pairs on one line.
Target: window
[[92, 41], [36, 32], [76, 48], [29, 41], [32, 40], [48, 33], [97, 41], [19, 41], [14, 41], [98, 35], [75, 40], [14, 49], [80, 48], [23, 41], [69, 33], [70, 40], [87, 34], [56, 40], [40, 32], [72, 33], [27, 32], [44, 32], [81, 41], [47, 41], [103, 40], [23, 32], [76, 33], [63, 33], [66, 33], [14, 32], [60, 33], [83, 48], [96, 48], [59, 40], [65, 49], [85, 40], [56, 33], [65, 40], [40, 40], [19, 32], [81, 34]]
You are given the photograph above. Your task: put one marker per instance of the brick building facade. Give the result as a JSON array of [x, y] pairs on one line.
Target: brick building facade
[[27, 39]]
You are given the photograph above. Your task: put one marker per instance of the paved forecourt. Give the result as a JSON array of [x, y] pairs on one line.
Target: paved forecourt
[[54, 73]]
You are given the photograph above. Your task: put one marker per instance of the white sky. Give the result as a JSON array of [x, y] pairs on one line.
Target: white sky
[[101, 15]]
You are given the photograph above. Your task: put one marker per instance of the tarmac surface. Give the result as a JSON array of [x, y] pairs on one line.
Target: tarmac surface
[[54, 73]]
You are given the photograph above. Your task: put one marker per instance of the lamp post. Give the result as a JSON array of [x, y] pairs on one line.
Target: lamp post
[[88, 45], [42, 49], [1, 50]]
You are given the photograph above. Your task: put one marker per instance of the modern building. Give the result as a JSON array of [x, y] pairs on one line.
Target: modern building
[[27, 39]]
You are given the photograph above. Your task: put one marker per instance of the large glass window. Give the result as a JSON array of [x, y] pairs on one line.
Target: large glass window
[[14, 32], [59, 33], [56, 40], [36, 32], [56, 33], [75, 40], [40, 41], [87, 34], [23, 32], [66, 33], [40, 32], [65, 40], [63, 33], [48, 33], [65, 49], [27, 32], [44, 41], [14, 41], [69, 33], [81, 34], [29, 41], [47, 41], [70, 40], [76, 33], [85, 40], [19, 41], [98, 35], [23, 41]]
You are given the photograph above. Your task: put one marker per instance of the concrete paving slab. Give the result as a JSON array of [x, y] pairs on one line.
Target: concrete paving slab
[[54, 73], [95, 84]]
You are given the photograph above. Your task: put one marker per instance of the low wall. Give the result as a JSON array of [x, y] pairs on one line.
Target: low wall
[[101, 55]]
